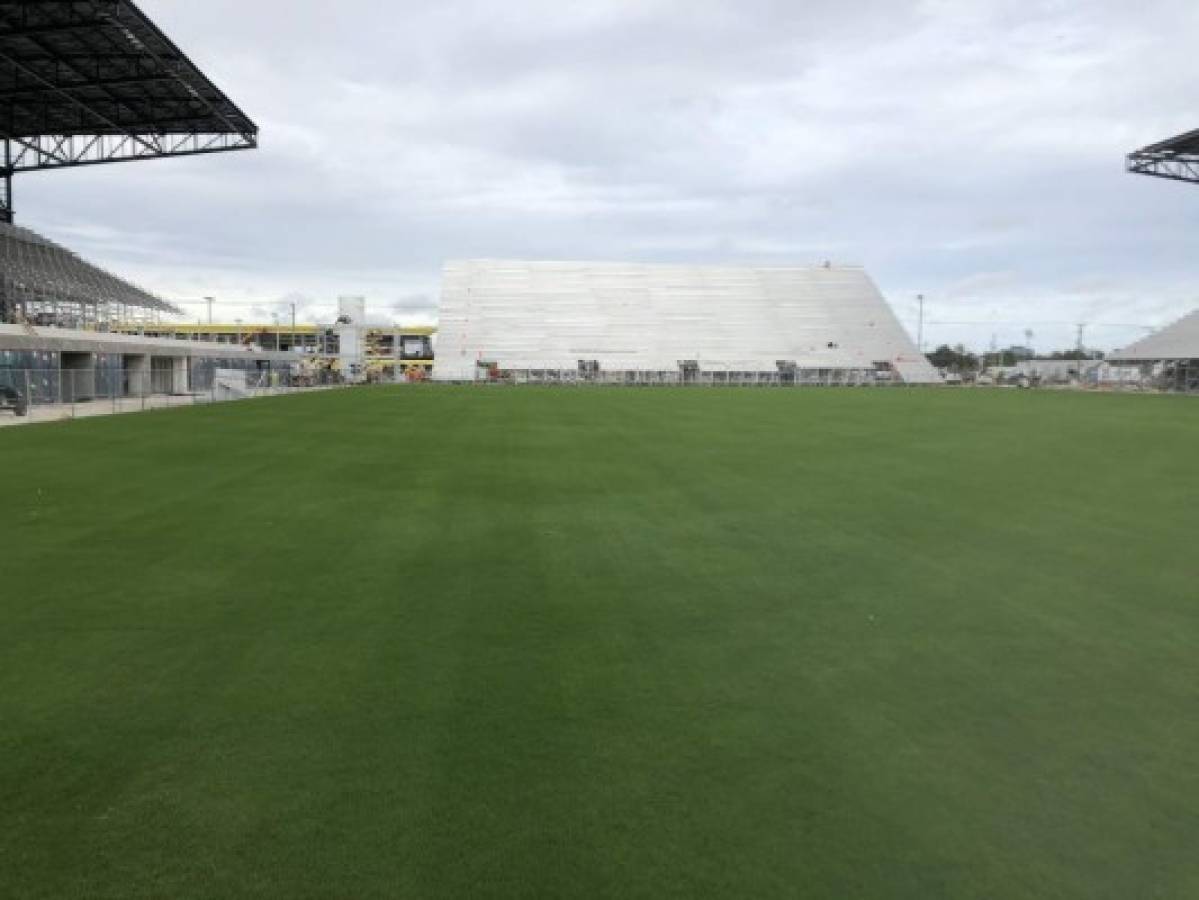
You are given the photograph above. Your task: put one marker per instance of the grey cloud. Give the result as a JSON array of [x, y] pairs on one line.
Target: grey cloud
[[941, 143]]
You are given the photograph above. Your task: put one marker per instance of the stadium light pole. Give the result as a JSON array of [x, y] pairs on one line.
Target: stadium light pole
[[208, 300], [1082, 327]]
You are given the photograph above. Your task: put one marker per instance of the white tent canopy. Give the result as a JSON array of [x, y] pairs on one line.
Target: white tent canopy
[[636, 317]]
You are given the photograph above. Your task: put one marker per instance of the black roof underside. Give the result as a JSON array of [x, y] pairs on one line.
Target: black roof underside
[[101, 70]]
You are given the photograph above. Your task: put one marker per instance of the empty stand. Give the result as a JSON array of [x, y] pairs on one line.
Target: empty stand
[[43, 283]]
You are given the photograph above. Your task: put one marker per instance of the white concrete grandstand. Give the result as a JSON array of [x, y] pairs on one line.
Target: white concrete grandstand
[[1169, 358], [540, 317], [1179, 341]]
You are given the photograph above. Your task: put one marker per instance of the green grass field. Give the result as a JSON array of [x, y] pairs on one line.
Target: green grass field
[[444, 642]]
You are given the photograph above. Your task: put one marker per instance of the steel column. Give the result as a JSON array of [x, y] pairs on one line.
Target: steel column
[[6, 185]]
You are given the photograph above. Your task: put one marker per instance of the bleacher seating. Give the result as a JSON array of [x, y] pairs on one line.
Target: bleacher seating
[[42, 282]]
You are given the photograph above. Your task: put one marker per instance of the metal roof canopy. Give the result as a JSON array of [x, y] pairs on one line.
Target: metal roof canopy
[[1176, 158], [86, 82]]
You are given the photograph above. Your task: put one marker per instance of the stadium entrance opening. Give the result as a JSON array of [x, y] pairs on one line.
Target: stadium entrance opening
[[135, 374], [78, 376]]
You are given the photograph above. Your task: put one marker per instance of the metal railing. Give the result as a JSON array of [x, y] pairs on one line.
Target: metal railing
[[1174, 378], [39, 395], [706, 378]]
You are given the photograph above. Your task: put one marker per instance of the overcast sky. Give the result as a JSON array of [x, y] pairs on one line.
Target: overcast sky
[[970, 150]]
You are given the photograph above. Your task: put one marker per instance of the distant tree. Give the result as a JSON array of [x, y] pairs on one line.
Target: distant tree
[[943, 357], [1076, 354], [953, 359]]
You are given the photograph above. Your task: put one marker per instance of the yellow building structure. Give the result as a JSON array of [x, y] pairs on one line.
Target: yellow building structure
[[391, 354]]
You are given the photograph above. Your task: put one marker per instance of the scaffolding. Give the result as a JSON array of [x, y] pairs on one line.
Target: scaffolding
[[394, 348]]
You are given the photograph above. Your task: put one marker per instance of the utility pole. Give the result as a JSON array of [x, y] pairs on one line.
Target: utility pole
[[208, 300], [293, 327], [920, 325], [1078, 363]]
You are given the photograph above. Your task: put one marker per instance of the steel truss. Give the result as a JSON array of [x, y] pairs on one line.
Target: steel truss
[[62, 150], [88, 82], [1175, 158], [1165, 165]]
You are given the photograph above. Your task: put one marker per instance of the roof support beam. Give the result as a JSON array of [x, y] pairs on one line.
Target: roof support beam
[[1175, 158], [35, 93], [1165, 165], [174, 72], [66, 95], [38, 31], [6, 172], [45, 152]]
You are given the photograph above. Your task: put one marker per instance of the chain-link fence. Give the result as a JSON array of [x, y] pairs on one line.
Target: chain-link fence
[[1159, 378], [48, 394], [64, 392], [1174, 377]]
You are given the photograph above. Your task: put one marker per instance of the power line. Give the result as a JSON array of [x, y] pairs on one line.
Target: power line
[[1021, 323], [245, 303]]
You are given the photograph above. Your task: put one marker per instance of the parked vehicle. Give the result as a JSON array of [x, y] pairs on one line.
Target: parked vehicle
[[10, 398]]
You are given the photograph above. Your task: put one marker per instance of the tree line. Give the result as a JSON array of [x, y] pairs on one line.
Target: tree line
[[959, 359]]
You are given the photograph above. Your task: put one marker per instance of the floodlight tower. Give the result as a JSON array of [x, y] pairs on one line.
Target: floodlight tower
[[920, 324]]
